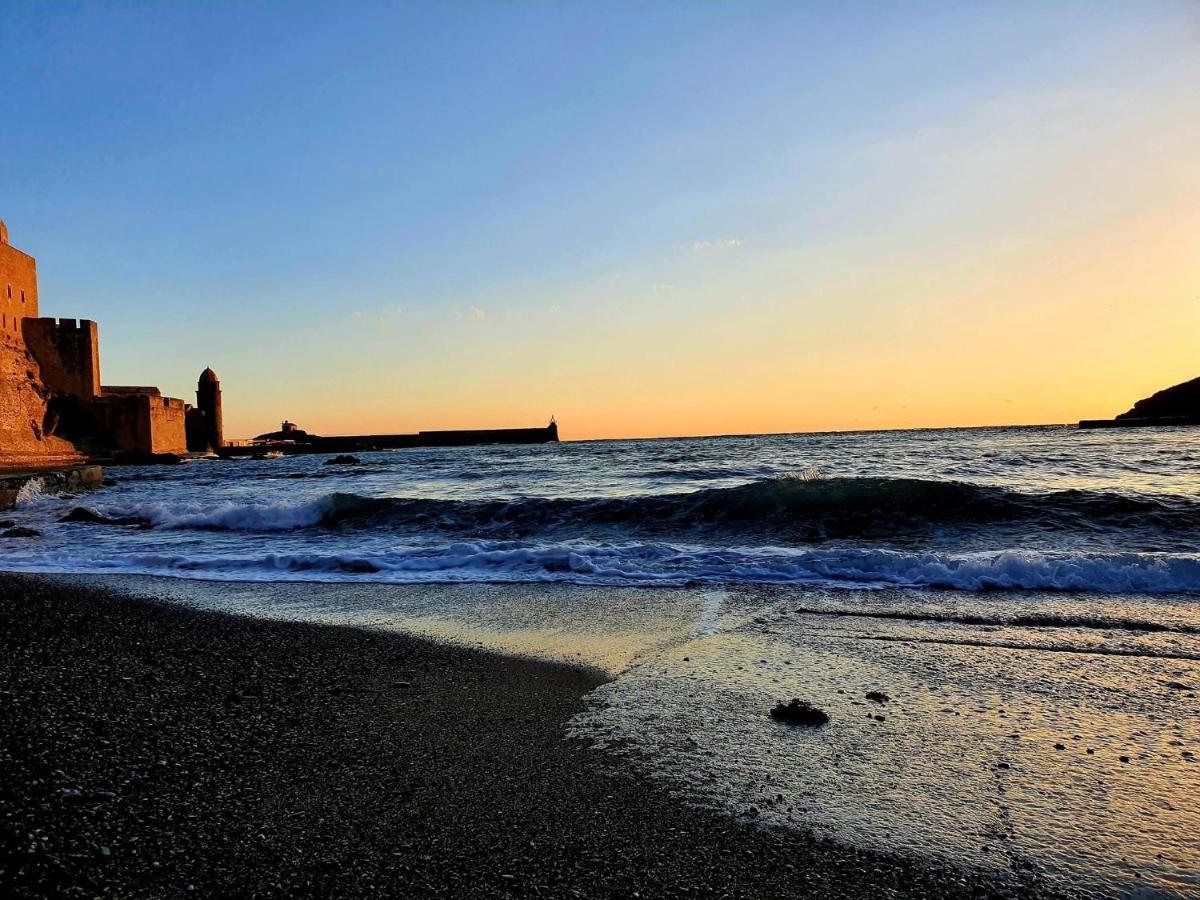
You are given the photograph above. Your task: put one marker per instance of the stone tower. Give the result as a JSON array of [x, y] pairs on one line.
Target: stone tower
[[208, 403], [28, 425]]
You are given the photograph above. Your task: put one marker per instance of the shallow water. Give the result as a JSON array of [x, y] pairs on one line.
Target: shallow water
[[1010, 590], [999, 745]]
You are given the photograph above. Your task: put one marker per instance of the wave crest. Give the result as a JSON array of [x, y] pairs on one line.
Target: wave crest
[[801, 508], [795, 509]]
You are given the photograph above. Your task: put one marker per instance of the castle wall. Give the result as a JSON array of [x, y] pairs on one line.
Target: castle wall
[[68, 352], [142, 423], [50, 379], [25, 441], [168, 425], [18, 289], [106, 389]]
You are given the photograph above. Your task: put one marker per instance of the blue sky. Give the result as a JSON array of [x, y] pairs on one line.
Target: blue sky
[[402, 215]]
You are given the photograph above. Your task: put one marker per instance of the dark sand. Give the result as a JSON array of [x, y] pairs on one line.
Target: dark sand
[[151, 750]]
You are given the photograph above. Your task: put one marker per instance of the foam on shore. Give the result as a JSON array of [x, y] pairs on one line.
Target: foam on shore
[[657, 564]]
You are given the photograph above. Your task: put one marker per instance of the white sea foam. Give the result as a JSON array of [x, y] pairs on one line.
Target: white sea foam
[[231, 516], [662, 564], [30, 492]]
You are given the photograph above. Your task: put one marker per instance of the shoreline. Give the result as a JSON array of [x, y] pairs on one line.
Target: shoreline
[[154, 749]]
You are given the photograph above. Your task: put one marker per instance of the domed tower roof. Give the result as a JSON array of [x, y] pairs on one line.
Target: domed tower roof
[[209, 375]]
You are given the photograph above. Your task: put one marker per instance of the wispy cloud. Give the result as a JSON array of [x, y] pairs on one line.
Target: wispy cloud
[[716, 244], [477, 313]]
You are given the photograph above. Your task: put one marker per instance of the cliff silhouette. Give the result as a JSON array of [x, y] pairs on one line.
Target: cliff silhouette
[[1176, 405], [1181, 400]]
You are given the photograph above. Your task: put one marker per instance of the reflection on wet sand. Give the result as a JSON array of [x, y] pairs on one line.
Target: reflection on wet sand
[[1066, 750]]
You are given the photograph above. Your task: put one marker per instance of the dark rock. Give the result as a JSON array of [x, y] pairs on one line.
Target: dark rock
[[1124, 759], [344, 459], [877, 696], [1059, 747], [7, 523], [878, 718], [22, 532], [799, 712], [290, 433], [91, 517], [1181, 400]]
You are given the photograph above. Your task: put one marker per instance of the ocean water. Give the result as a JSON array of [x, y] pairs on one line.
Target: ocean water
[[1027, 598], [1043, 508]]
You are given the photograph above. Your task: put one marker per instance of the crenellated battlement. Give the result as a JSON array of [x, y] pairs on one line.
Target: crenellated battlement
[[66, 325], [50, 383]]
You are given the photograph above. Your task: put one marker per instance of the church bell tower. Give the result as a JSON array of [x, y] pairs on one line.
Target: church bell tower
[[208, 404]]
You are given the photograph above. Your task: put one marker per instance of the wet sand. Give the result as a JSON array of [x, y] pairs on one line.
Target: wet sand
[[153, 750]]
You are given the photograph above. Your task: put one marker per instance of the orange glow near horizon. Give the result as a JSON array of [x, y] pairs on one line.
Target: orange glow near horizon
[[969, 215], [1076, 325]]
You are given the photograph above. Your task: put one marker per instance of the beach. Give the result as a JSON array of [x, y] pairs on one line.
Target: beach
[[634, 450], [156, 750], [559, 662]]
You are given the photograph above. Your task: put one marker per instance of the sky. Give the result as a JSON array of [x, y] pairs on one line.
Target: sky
[[643, 218]]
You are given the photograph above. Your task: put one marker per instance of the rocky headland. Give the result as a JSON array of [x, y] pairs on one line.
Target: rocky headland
[[1176, 405]]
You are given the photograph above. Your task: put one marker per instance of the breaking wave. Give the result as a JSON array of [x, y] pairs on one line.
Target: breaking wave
[[781, 510], [668, 565]]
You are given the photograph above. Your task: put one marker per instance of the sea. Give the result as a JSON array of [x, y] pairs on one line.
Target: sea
[[1023, 605]]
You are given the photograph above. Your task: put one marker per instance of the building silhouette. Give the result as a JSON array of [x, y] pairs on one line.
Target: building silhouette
[[53, 406], [205, 430]]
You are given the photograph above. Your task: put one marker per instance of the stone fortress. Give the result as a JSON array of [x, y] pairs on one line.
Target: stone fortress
[[55, 412], [54, 409]]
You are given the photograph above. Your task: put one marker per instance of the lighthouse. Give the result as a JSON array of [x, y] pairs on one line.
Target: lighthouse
[[205, 429]]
